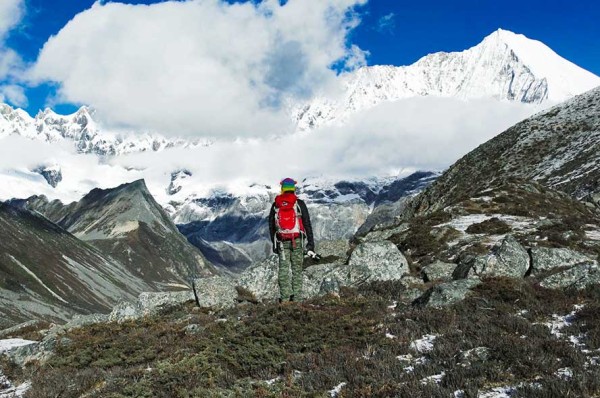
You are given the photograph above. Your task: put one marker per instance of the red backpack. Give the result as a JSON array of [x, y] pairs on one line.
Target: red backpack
[[288, 218]]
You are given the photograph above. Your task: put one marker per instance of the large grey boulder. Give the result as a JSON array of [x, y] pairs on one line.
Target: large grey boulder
[[510, 260], [438, 270], [338, 248], [379, 235], [381, 261], [148, 303], [216, 292], [447, 293], [544, 258], [578, 277], [322, 279], [261, 279], [371, 261]]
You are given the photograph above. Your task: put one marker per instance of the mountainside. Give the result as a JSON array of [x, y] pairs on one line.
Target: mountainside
[[127, 224], [504, 66], [558, 148], [45, 272], [535, 187]]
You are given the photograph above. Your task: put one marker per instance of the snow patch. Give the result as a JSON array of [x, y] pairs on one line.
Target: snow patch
[[34, 276], [336, 390], [424, 344], [9, 344], [498, 392], [437, 379], [565, 373]]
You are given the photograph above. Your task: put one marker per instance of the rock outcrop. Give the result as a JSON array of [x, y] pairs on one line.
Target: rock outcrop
[[510, 260], [447, 293]]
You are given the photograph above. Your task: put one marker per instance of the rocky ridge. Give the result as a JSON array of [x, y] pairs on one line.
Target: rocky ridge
[[128, 224]]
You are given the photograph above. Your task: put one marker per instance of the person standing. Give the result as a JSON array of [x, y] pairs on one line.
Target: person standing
[[292, 235]]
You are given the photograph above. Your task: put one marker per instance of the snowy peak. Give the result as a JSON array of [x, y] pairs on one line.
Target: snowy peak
[[83, 131], [565, 79], [504, 66]]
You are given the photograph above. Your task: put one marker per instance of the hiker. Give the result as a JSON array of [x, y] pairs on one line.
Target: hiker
[[291, 234]]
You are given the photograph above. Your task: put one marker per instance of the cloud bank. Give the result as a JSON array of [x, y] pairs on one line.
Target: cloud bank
[[11, 64], [202, 67], [424, 133]]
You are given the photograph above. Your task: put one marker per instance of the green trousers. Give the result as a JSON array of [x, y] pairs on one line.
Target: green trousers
[[291, 258]]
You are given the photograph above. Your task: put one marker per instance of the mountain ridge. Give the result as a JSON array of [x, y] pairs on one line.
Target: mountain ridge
[[501, 67]]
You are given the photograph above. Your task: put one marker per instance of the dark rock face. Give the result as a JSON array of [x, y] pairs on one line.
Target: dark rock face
[[410, 185], [52, 174], [176, 178]]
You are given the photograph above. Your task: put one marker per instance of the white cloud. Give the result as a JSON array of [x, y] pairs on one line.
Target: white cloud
[[414, 134], [13, 94], [11, 64], [423, 133], [203, 67], [387, 23], [11, 12]]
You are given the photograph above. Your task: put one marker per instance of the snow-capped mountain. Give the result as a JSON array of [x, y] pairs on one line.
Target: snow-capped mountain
[[81, 129], [504, 66], [227, 218]]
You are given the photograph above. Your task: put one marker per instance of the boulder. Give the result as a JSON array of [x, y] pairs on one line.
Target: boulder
[[510, 260], [323, 279], [216, 292], [544, 258], [438, 270], [148, 303], [447, 293], [381, 261], [578, 277], [261, 279], [338, 248]]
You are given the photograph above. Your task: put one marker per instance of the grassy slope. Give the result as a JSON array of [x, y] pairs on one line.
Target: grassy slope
[[310, 348]]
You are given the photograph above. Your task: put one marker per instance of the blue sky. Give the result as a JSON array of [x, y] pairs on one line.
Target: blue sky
[[393, 32]]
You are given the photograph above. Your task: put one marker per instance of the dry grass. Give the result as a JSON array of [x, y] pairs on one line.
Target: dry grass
[[311, 347]]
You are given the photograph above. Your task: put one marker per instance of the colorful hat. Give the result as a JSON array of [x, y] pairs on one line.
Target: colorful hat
[[288, 185]]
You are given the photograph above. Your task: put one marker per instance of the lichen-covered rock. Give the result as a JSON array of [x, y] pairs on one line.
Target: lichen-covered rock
[[446, 293], [216, 292], [544, 258], [148, 303], [79, 321], [377, 235], [510, 260], [381, 261], [578, 277], [37, 352], [438, 270], [324, 278], [14, 330], [337, 248], [261, 279]]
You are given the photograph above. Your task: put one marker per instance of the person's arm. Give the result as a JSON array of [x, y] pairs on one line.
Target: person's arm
[[272, 227], [310, 246]]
